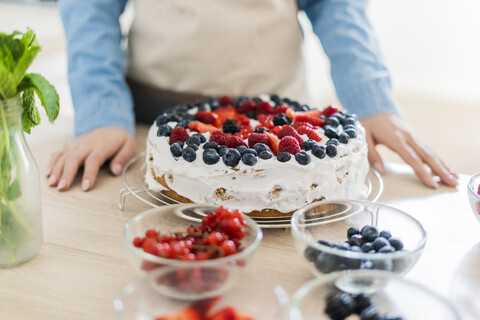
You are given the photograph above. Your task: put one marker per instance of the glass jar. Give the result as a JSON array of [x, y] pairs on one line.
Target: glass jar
[[21, 234]]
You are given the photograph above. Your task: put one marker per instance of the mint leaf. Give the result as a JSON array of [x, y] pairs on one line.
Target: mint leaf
[[31, 49], [14, 191], [30, 114], [45, 91], [7, 83]]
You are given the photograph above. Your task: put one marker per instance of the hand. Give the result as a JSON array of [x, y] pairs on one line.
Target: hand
[[91, 150], [393, 132]]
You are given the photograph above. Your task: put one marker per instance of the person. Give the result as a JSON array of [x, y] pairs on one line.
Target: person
[[189, 49]]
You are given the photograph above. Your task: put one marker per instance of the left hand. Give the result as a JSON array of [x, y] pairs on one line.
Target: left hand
[[394, 132]]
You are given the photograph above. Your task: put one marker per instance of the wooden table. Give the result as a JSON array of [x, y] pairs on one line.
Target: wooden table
[[83, 265]]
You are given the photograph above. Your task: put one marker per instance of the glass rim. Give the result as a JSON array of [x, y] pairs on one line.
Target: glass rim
[[470, 185]]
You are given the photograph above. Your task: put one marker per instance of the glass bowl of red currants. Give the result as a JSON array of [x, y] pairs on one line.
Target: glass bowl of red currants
[[368, 294], [349, 235], [474, 194], [191, 260]]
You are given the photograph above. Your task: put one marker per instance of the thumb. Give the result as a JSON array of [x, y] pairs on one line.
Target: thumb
[[373, 156], [127, 151]]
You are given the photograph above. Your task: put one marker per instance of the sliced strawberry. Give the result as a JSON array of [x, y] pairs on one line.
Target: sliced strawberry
[[309, 119], [328, 111], [275, 130], [265, 107], [224, 113], [185, 314], [311, 134], [202, 127], [262, 118], [273, 142], [206, 117], [226, 101]]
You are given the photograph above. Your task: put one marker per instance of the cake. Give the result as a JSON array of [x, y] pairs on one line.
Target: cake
[[265, 156]]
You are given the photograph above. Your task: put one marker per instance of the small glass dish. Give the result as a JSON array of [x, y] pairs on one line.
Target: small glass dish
[[251, 295], [330, 220], [388, 293], [208, 275], [473, 196]]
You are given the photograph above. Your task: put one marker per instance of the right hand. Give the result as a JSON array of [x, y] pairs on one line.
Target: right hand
[[91, 151]]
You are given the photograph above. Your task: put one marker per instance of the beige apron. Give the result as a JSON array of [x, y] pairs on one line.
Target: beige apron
[[216, 47]]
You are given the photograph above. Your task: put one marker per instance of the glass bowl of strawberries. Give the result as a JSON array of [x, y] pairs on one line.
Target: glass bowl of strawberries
[[191, 260], [474, 194]]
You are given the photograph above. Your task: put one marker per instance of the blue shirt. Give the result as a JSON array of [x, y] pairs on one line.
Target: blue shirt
[[96, 61]]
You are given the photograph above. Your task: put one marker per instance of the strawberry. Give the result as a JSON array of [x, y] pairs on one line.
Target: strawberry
[[282, 109], [312, 113], [235, 141], [226, 101], [223, 114], [226, 313], [202, 127], [289, 144], [247, 106], [290, 131], [255, 138], [178, 134], [206, 117], [273, 142], [219, 137], [309, 119], [242, 120], [265, 108], [204, 306], [328, 111], [309, 132], [275, 130]]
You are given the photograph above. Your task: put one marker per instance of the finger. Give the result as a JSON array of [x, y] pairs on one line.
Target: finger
[[410, 157], [70, 169], [56, 171], [93, 162], [123, 156], [373, 156], [53, 160]]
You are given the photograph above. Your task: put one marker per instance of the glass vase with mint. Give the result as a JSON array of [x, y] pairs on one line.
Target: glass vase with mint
[[21, 232]]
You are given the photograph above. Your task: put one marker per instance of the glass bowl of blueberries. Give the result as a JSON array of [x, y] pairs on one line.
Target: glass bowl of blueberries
[[474, 194], [371, 295], [348, 234]]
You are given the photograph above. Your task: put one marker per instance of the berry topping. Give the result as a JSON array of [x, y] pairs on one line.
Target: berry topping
[[331, 132], [222, 150], [289, 144], [162, 119], [290, 131], [343, 138], [310, 119], [178, 134], [164, 130], [265, 155], [260, 130], [281, 109], [264, 107], [255, 138], [328, 111], [189, 154], [249, 159], [210, 156], [352, 133], [225, 100], [202, 127], [273, 143], [309, 145], [319, 152], [281, 119], [206, 117], [201, 137], [229, 126], [232, 157], [211, 145], [176, 149], [303, 158], [333, 121], [241, 149], [333, 141], [284, 156], [259, 147], [193, 140], [249, 150], [247, 106], [235, 141], [350, 120], [311, 134], [219, 138]]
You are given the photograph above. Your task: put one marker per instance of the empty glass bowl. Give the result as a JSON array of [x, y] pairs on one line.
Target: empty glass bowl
[[388, 293], [473, 196], [330, 220]]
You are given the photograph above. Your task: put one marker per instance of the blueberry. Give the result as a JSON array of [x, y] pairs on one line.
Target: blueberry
[[385, 234], [305, 107], [257, 100], [351, 231], [189, 154], [252, 114], [275, 98], [340, 306], [366, 265], [259, 147], [362, 302], [367, 247], [193, 140], [340, 117], [180, 109], [242, 149], [344, 246], [331, 150], [390, 317], [261, 130], [164, 130], [386, 249], [194, 146], [176, 149], [210, 156], [232, 157], [190, 106], [302, 158], [309, 145], [319, 152], [369, 233], [311, 253], [222, 150], [356, 240], [396, 243], [265, 155], [370, 313], [248, 150], [162, 119], [343, 138], [352, 133], [211, 145], [183, 123], [350, 120], [330, 132], [229, 126], [325, 262], [173, 117], [249, 159], [355, 249], [379, 243], [333, 141], [281, 119], [213, 106], [284, 156], [332, 121], [325, 243], [201, 137]]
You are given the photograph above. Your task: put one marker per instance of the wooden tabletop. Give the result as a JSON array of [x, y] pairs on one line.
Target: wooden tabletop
[[83, 265]]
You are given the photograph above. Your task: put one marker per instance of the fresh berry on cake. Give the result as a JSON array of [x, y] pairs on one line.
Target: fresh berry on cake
[[265, 156]]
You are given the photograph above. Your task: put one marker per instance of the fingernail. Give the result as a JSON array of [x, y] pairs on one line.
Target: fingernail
[[117, 168], [49, 171], [378, 166], [453, 179], [62, 184], [433, 184], [85, 185], [52, 180]]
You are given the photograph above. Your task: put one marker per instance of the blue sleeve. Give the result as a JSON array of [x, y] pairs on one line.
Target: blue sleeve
[[359, 74], [96, 64]]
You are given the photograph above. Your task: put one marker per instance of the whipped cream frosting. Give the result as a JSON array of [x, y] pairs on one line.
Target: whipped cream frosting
[[269, 184]]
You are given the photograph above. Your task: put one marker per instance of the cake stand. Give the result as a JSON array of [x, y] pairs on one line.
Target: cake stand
[[134, 172]]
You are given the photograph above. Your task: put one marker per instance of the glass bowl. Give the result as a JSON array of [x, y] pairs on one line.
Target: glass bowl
[[473, 196], [330, 220], [388, 293], [254, 296], [185, 279]]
